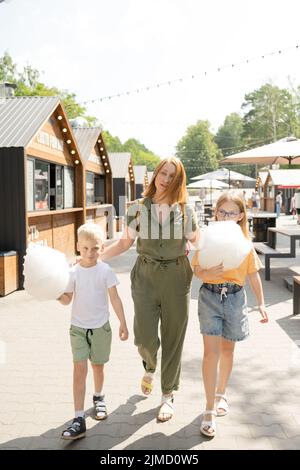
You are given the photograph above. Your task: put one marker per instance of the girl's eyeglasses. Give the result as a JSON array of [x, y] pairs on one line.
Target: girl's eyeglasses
[[230, 215]]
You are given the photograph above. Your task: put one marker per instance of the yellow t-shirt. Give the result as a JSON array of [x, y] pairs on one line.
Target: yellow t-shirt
[[251, 264]]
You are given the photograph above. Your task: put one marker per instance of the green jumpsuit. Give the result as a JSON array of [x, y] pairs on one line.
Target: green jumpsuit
[[160, 284]]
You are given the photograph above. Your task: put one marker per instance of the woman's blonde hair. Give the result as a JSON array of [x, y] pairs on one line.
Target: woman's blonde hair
[[176, 191], [240, 202]]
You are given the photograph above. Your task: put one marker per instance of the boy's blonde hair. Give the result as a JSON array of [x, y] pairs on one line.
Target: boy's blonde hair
[[240, 202], [91, 231]]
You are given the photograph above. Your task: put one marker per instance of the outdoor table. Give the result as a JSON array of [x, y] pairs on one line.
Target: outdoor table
[[261, 222], [292, 232]]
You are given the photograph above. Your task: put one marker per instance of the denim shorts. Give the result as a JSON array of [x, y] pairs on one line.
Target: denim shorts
[[222, 310]]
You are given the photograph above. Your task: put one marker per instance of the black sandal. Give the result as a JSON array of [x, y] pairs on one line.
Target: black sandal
[[75, 431], [100, 407]]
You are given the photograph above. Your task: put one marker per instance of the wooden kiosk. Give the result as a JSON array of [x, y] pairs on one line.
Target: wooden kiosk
[[42, 177]]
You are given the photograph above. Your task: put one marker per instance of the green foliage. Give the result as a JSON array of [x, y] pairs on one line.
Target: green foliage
[[140, 154], [197, 150], [230, 140], [113, 144], [270, 114], [29, 84], [7, 69], [229, 137]]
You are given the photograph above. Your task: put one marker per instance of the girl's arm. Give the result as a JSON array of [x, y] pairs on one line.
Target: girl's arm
[[118, 308], [208, 274], [120, 246], [256, 286]]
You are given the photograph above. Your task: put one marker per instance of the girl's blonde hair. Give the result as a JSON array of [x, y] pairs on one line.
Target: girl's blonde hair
[[176, 191], [240, 202], [91, 232]]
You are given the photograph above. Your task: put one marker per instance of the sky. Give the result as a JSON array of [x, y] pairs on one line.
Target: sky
[[99, 48]]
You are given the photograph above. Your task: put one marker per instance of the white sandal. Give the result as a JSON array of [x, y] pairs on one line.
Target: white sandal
[[222, 404], [209, 423], [166, 408]]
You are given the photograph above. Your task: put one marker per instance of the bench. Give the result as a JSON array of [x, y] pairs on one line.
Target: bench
[[269, 253], [296, 295]]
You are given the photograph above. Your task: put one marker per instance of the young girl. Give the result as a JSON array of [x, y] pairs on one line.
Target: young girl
[[222, 311]]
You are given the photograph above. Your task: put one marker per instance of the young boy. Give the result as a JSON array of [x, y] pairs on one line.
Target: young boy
[[90, 331]]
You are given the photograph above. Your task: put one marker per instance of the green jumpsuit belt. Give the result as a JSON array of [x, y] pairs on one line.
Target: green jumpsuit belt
[[161, 292]]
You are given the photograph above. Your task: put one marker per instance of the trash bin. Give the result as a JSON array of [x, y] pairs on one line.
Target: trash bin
[[8, 272]]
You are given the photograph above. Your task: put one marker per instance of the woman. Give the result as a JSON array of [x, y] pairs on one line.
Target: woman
[[161, 276]]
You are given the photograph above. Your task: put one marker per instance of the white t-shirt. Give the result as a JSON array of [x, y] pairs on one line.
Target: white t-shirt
[[90, 308], [297, 200]]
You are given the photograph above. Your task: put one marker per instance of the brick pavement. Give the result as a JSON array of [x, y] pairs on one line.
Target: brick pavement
[[36, 381]]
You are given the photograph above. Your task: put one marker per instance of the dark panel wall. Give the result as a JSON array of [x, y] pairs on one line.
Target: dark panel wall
[[139, 188], [119, 190], [13, 203]]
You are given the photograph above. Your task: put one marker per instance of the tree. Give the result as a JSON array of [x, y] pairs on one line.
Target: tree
[[197, 149], [112, 144], [29, 84], [7, 69], [140, 154], [270, 114], [229, 139]]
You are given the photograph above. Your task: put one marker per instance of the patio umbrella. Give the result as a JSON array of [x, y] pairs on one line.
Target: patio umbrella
[[283, 151], [208, 184], [224, 174]]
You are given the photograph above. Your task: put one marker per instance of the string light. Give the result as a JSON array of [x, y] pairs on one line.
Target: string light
[[190, 77]]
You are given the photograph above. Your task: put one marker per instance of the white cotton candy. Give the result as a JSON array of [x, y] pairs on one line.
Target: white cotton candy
[[46, 272], [223, 242]]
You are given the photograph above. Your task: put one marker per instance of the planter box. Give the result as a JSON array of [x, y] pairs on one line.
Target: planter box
[[8, 272]]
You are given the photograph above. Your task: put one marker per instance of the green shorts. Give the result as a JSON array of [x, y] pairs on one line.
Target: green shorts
[[93, 344]]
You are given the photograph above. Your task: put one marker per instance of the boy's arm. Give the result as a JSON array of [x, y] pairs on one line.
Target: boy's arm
[[66, 298], [256, 286], [118, 308]]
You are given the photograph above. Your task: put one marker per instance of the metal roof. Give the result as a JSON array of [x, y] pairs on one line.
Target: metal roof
[[263, 176], [86, 138], [140, 171], [285, 177], [22, 116], [119, 163]]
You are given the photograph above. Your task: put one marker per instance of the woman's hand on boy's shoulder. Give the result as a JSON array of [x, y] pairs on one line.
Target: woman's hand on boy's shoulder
[[263, 312]]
